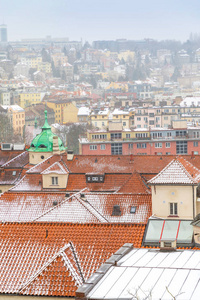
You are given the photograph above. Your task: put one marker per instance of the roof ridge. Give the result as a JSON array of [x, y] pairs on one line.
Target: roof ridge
[[48, 263], [17, 183], [55, 163], [181, 165], [139, 178], [98, 216], [59, 204], [13, 159], [40, 163]]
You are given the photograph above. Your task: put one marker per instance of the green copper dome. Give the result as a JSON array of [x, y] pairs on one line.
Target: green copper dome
[[43, 142]]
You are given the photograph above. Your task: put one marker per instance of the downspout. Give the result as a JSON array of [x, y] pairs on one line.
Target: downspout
[[193, 201]]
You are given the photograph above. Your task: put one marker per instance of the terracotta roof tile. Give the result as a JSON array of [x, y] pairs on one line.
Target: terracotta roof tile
[[6, 156], [26, 247], [135, 185], [19, 161], [178, 171], [62, 271], [57, 167], [10, 176], [25, 207]]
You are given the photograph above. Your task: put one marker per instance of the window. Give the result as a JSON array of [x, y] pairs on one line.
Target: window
[[157, 119], [181, 133], [141, 135], [167, 145], [128, 135], [133, 210], [14, 173], [181, 147], [195, 144], [116, 136], [103, 147], [103, 124], [138, 119], [151, 122], [165, 118], [130, 146], [151, 115], [141, 145], [173, 209], [116, 149], [54, 180], [169, 134], [93, 147], [157, 134], [158, 145], [124, 123]]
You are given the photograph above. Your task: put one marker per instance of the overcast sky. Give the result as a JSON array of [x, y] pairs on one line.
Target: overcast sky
[[101, 19]]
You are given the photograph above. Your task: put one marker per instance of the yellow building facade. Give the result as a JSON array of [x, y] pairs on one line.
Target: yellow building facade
[[17, 117], [26, 99], [70, 114]]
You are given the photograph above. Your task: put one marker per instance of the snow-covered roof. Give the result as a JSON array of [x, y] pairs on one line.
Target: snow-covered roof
[[83, 111], [190, 101], [13, 107], [150, 274], [178, 171]]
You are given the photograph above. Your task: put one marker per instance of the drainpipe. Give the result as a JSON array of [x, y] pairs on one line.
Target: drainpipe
[[193, 202]]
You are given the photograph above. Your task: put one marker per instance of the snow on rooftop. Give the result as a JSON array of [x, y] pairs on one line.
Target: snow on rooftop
[[151, 274], [190, 101], [13, 107], [84, 111]]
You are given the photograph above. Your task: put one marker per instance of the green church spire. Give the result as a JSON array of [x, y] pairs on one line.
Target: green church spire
[[43, 142], [46, 124]]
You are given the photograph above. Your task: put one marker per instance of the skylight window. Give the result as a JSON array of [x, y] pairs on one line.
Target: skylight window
[[160, 230], [14, 173], [133, 210]]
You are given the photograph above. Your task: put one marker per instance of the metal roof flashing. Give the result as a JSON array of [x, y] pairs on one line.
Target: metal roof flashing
[[84, 290]]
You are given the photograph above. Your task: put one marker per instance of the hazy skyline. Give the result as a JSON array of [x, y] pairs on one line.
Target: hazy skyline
[[97, 20]]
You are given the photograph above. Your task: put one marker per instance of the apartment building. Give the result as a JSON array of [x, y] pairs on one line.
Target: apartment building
[[17, 117], [143, 141], [31, 61], [28, 98]]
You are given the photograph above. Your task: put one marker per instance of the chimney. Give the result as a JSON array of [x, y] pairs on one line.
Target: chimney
[[55, 145], [192, 155], [70, 155]]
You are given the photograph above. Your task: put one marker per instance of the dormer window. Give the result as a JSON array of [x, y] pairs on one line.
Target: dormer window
[[42, 146], [54, 180], [32, 145]]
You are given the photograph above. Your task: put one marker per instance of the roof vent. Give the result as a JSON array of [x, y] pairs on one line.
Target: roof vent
[[116, 210], [67, 195], [82, 195], [95, 160], [55, 203], [168, 245]]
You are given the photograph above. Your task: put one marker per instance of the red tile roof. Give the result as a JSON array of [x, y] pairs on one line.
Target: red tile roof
[[62, 271], [6, 156], [135, 185], [18, 161], [9, 177], [26, 248], [178, 171], [26, 207]]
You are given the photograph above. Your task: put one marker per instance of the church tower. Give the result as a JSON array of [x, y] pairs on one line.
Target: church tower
[[45, 144]]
